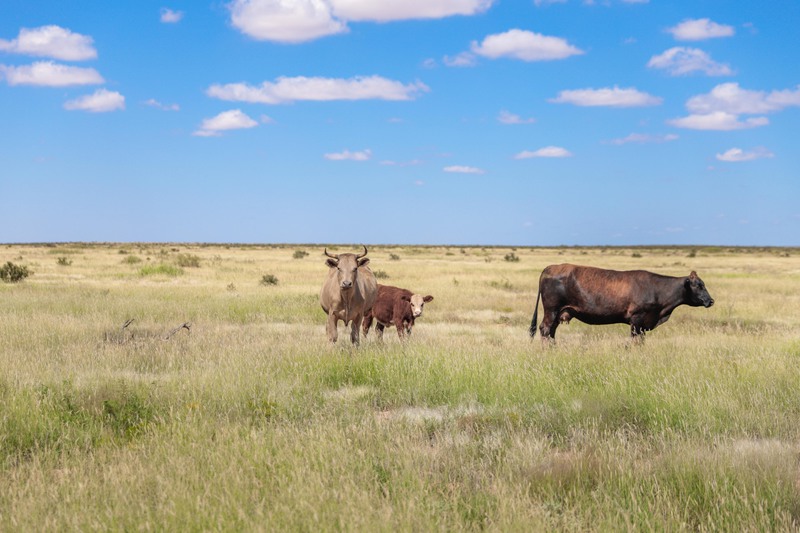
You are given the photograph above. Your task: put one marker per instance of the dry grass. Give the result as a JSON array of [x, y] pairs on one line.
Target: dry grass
[[250, 421]]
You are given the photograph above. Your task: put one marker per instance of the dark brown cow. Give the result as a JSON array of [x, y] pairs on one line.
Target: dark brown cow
[[348, 292], [597, 296], [395, 307]]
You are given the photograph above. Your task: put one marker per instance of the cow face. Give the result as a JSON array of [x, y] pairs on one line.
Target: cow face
[[417, 303], [697, 294], [346, 266]]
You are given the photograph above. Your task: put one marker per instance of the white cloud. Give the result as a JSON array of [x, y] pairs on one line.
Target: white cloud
[[510, 118], [227, 120], [679, 61], [169, 16], [318, 89], [296, 21], [547, 151], [609, 97], [51, 41], [699, 30], [101, 101], [347, 155], [644, 138], [292, 21], [524, 45], [49, 74], [461, 169], [730, 98], [387, 10], [718, 120], [464, 59], [152, 102], [737, 155]]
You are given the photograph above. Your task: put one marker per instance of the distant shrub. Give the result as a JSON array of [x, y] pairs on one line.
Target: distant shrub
[[511, 257], [122, 252], [636, 254], [160, 269], [188, 260], [63, 261], [231, 287], [132, 260], [394, 257], [299, 254], [381, 274], [692, 253], [12, 273], [268, 279]]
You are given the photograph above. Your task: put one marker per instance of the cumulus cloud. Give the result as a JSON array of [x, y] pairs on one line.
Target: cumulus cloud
[[169, 16], [225, 121], [524, 45], [547, 151], [49, 74], [298, 21], [461, 169], [719, 121], [737, 155], [510, 118], [152, 102], [644, 138], [700, 30], [679, 61], [285, 90], [607, 97], [731, 98], [388, 10], [464, 59], [101, 101], [51, 41], [722, 107], [347, 155]]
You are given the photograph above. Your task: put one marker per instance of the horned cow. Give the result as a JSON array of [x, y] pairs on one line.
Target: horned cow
[[348, 292], [395, 307], [598, 296]]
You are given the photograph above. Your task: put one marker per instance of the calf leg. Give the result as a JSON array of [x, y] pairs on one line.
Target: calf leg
[[401, 328], [379, 330], [366, 324]]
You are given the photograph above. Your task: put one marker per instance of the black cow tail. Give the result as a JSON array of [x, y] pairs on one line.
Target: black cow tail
[[532, 329]]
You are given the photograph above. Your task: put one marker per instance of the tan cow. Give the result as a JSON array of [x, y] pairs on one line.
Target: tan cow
[[348, 292]]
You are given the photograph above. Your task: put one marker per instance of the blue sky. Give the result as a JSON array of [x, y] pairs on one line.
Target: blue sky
[[493, 122]]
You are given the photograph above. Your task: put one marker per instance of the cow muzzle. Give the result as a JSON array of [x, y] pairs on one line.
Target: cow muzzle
[[346, 285], [709, 303]]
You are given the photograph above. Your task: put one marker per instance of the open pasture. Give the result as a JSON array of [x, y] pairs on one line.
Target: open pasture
[[247, 419]]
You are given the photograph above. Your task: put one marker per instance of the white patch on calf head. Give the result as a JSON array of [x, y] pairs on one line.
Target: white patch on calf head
[[417, 303]]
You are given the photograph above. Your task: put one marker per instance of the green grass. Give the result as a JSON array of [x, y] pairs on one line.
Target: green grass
[[250, 421]]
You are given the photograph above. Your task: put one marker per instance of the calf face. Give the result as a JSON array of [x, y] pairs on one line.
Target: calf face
[[697, 294], [417, 302]]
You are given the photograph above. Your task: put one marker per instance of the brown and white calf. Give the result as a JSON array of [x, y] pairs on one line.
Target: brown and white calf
[[395, 307]]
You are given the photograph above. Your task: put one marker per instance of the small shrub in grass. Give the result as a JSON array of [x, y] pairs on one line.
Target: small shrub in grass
[[299, 254], [160, 269], [13, 273], [132, 260], [394, 257], [692, 253], [63, 261], [511, 257], [381, 274], [268, 279], [188, 260]]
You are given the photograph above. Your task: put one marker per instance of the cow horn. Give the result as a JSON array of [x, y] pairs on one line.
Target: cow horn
[[362, 255], [331, 256]]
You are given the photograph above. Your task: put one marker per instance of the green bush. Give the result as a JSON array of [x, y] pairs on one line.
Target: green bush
[[269, 279], [63, 261], [511, 257], [161, 269], [188, 260], [12, 273], [381, 274], [299, 254], [132, 260], [394, 257]]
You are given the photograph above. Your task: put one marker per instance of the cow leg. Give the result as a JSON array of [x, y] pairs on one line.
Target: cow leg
[[549, 325], [637, 330], [401, 329], [355, 326], [331, 328], [379, 330], [366, 324]]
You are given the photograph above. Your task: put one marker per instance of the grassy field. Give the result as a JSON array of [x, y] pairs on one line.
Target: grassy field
[[248, 420]]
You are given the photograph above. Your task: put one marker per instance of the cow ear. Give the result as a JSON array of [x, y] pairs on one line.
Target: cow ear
[[363, 262], [693, 275], [427, 299], [332, 263]]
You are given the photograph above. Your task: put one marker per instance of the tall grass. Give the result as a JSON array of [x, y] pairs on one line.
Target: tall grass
[[250, 421]]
